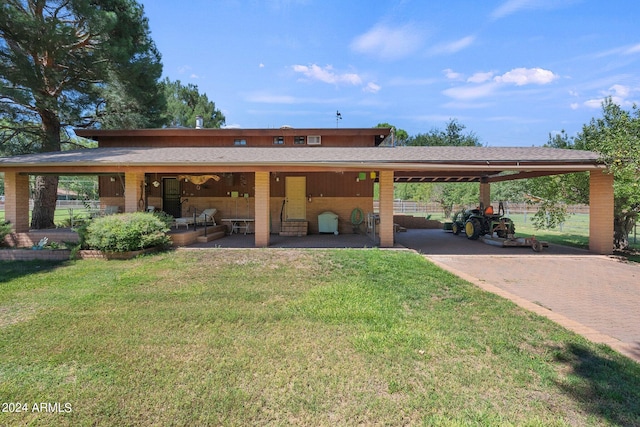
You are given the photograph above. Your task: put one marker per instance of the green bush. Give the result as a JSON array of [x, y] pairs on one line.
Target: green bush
[[5, 229], [127, 232]]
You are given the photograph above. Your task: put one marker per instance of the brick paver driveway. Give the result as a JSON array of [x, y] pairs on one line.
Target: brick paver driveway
[[596, 296]]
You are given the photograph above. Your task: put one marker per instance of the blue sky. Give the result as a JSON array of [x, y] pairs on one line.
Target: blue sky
[[511, 71]]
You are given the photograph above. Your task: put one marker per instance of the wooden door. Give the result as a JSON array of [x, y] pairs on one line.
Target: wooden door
[[171, 197], [296, 197]]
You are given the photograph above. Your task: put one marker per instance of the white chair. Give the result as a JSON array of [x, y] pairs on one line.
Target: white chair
[[206, 217]]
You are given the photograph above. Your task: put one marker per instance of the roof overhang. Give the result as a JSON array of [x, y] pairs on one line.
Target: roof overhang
[[410, 164]]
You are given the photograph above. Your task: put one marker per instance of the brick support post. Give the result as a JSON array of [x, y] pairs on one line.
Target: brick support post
[[262, 199], [386, 209], [16, 203], [133, 191], [601, 212]]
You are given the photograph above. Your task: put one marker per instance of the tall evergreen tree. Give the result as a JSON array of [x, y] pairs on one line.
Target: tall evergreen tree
[[74, 63], [185, 103]]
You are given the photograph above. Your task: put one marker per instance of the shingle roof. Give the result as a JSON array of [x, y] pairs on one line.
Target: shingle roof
[[313, 156]]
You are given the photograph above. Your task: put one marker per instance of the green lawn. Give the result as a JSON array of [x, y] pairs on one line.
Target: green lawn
[[61, 217], [291, 337]]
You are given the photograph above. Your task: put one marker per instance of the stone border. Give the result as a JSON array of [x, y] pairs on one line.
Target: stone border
[[34, 254]]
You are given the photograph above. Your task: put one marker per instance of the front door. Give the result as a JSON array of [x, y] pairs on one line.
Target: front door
[[296, 196], [171, 197]]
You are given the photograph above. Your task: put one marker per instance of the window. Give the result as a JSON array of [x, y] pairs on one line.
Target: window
[[314, 140], [278, 140], [239, 142], [299, 140]]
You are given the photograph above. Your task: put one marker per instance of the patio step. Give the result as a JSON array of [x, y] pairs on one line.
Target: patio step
[[211, 236], [294, 228]]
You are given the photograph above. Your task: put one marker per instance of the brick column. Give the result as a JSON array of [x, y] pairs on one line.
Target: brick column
[[601, 212], [261, 214], [485, 194], [386, 209], [133, 182], [16, 203]]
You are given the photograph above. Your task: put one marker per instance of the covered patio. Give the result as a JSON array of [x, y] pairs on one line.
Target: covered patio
[[381, 165]]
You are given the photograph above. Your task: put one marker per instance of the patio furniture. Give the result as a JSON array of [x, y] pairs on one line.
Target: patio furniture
[[206, 217], [238, 224]]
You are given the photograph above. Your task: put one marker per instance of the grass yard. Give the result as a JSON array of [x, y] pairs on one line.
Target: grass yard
[[62, 216], [290, 337]]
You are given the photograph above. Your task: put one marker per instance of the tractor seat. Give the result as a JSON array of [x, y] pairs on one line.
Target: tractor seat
[[488, 210]]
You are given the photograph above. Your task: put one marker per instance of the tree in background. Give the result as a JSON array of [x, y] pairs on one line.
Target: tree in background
[[551, 194], [450, 196], [400, 135], [185, 103], [72, 63], [452, 136], [616, 136]]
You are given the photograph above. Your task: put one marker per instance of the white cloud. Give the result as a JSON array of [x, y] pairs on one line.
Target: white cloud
[[327, 74], [620, 91], [509, 7], [389, 42], [453, 47], [619, 94], [526, 76], [622, 50], [484, 84], [371, 88], [594, 103], [480, 77], [633, 49], [512, 6], [452, 75]]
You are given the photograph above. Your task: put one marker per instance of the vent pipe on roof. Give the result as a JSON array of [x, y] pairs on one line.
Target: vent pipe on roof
[[199, 122]]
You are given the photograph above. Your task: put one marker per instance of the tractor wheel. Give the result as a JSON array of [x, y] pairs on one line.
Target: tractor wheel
[[504, 228], [473, 229], [511, 227], [455, 228]]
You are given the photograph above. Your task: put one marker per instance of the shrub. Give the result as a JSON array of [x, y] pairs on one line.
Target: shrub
[[5, 229], [164, 217], [127, 232]]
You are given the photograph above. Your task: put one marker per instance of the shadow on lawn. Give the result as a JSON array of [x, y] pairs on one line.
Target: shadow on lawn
[[10, 270], [607, 387]]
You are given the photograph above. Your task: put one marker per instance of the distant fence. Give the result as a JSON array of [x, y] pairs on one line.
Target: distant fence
[[66, 204], [413, 207]]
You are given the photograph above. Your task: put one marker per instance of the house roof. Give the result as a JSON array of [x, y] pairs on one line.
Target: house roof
[[413, 163]]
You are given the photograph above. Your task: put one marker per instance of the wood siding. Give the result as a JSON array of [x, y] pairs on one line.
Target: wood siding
[[227, 137]]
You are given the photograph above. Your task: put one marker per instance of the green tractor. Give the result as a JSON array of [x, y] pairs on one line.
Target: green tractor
[[478, 222]]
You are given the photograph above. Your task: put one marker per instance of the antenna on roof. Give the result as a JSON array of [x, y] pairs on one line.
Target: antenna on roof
[[338, 117]]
